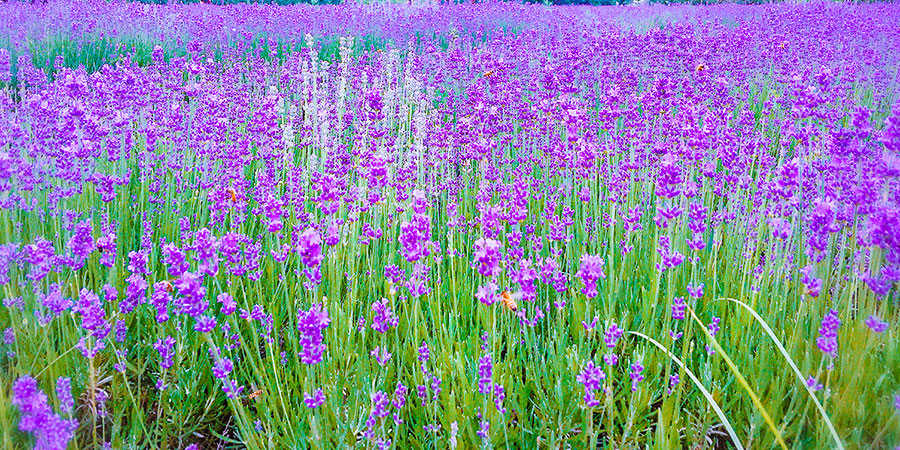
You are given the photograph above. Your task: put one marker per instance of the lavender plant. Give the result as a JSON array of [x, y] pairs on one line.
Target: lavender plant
[[426, 226]]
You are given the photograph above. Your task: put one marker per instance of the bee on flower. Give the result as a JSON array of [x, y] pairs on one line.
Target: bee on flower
[[509, 300]]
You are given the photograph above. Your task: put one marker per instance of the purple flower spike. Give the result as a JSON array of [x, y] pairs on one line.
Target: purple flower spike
[[484, 429], [9, 336], [678, 307], [384, 317], [590, 377], [590, 271], [221, 366], [315, 400], [877, 325], [814, 384], [487, 294], [485, 374], [813, 284], [311, 324], [613, 333], [714, 326], [64, 395], [192, 302], [636, 375], [164, 347], [670, 178], [827, 340], [310, 248], [695, 291], [487, 255], [228, 303], [381, 355], [50, 431], [205, 324]]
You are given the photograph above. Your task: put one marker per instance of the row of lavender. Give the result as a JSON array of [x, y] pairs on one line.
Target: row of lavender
[[573, 229]]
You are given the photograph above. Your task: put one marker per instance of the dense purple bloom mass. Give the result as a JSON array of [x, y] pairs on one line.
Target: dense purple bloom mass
[[192, 299], [670, 178], [414, 238], [175, 259], [160, 299], [202, 194], [81, 243], [135, 292], [92, 314], [51, 431]]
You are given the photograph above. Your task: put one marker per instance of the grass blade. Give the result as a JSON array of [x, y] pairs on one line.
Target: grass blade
[[741, 380], [703, 390], [812, 395]]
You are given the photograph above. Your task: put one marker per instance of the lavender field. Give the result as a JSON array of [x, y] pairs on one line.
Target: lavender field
[[449, 226]]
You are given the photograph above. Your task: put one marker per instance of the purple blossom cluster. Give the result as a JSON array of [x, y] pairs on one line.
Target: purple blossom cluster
[[487, 256], [311, 324], [383, 317], [443, 167], [827, 340], [590, 271], [678, 307], [37, 417], [432, 381], [590, 377], [165, 348], [636, 375]]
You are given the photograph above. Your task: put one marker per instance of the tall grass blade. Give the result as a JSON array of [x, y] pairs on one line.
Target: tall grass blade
[[741, 380], [703, 390], [837, 440]]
